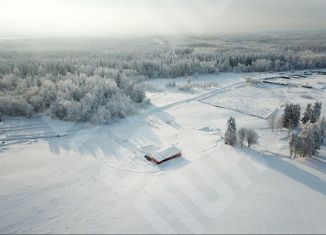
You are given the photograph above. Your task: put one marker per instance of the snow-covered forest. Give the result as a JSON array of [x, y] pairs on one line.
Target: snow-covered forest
[[99, 80], [162, 117]]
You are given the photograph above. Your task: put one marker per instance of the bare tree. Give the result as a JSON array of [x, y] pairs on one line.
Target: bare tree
[[251, 137], [279, 123], [241, 134], [307, 135], [273, 119]]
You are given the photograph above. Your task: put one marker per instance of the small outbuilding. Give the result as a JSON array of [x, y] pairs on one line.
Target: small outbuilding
[[163, 155]]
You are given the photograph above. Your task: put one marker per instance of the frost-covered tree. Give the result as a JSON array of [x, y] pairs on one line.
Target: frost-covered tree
[[279, 122], [230, 137], [273, 120], [247, 135], [262, 65], [308, 140], [292, 144], [316, 129], [67, 76], [251, 137], [225, 66], [137, 92], [322, 126], [152, 61], [70, 97], [298, 147], [241, 135]]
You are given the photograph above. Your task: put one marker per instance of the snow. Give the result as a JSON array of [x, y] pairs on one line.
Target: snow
[[94, 179], [257, 101]]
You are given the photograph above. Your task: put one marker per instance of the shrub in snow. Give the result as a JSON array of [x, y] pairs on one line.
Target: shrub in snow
[[205, 85], [230, 137]]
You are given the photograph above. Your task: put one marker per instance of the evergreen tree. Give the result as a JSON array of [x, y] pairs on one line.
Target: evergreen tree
[[317, 136], [316, 112], [230, 134], [307, 114], [118, 79], [291, 116]]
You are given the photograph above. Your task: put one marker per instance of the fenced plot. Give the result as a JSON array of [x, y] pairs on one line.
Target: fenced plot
[[254, 101]]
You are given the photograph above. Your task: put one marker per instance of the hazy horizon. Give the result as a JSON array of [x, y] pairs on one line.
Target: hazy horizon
[[145, 17]]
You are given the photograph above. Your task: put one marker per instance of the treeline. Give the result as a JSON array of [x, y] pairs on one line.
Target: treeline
[[71, 97], [152, 60], [99, 80]]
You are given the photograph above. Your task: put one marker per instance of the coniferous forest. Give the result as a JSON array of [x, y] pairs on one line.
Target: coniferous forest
[[99, 80]]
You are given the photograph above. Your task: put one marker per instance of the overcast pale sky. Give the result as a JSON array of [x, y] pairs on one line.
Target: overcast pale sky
[[108, 17]]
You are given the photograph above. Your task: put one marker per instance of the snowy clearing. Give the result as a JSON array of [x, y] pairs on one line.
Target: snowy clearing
[[94, 179]]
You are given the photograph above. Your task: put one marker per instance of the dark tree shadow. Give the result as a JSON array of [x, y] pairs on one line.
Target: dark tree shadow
[[286, 167], [173, 164]]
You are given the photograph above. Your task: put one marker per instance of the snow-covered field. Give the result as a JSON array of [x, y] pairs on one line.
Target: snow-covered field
[[94, 179]]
